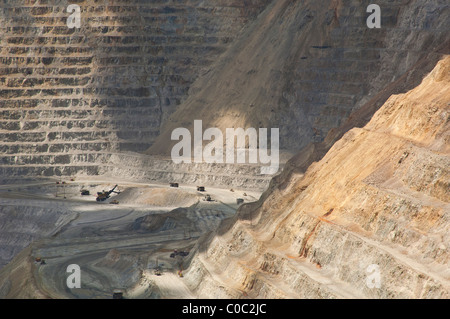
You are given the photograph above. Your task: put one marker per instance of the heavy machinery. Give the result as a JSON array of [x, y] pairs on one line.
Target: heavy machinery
[[85, 192], [117, 294], [102, 196], [179, 253]]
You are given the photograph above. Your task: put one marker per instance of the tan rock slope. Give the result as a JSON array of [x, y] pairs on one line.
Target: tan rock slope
[[376, 204]]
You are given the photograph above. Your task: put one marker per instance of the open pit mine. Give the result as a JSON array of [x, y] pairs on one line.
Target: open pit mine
[[110, 188]]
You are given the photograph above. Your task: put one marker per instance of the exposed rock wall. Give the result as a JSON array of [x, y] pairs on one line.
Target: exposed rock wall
[[143, 168], [67, 96], [377, 201], [71, 97], [304, 66]]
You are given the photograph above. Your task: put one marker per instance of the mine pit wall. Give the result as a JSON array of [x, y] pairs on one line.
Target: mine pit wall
[[137, 167], [68, 96], [341, 254], [346, 265], [305, 66], [385, 184], [133, 167], [354, 63]]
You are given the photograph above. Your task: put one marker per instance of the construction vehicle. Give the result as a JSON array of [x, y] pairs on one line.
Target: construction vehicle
[[102, 196], [39, 260], [85, 192], [158, 271], [179, 253], [201, 188], [207, 198], [239, 201], [117, 294], [174, 185]]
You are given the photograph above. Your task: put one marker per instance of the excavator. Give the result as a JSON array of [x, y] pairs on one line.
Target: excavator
[[102, 196]]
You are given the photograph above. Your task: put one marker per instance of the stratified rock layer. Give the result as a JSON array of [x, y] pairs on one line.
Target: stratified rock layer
[[69, 97]]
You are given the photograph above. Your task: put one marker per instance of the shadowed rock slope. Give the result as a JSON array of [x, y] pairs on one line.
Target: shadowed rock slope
[[304, 66], [70, 97], [377, 200]]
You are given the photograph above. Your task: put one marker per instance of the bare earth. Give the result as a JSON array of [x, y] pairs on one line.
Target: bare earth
[[116, 246]]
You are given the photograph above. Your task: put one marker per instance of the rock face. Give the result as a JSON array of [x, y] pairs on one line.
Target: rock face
[[139, 167], [69, 97], [304, 66], [370, 219], [361, 211]]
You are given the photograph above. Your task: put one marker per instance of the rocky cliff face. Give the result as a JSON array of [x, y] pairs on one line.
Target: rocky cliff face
[[370, 219], [69, 97]]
